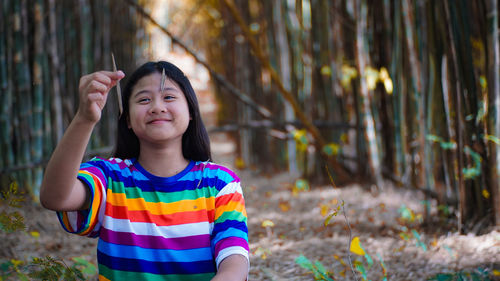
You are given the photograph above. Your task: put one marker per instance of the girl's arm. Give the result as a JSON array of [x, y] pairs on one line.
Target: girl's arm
[[61, 190], [232, 268]]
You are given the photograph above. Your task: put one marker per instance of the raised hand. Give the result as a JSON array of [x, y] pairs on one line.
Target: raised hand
[[93, 93]]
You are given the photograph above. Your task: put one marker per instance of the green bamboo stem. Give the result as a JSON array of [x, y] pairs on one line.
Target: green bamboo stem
[[398, 104], [284, 69], [494, 103], [37, 117], [463, 211], [362, 57], [6, 87], [56, 100], [22, 99]]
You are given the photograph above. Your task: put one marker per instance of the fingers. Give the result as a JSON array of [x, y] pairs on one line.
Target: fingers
[[101, 81]]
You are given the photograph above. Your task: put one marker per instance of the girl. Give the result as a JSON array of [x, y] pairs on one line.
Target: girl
[[160, 209]]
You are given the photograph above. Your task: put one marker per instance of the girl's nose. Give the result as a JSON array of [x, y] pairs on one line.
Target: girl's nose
[[158, 106]]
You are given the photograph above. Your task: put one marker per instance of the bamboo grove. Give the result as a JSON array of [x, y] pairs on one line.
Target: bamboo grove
[[401, 90], [45, 47], [366, 91]]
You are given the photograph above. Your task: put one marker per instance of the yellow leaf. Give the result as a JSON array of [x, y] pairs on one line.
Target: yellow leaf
[[35, 234], [284, 206], [384, 77], [486, 194], [331, 149], [343, 137], [348, 72], [16, 263], [267, 223], [327, 220], [371, 76], [240, 163], [356, 247], [326, 70], [496, 272], [388, 86], [262, 252], [324, 209]]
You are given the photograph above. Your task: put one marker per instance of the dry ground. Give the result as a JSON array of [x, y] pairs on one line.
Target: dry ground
[[299, 229]]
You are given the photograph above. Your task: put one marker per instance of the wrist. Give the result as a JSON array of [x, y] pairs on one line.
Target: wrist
[[82, 120]]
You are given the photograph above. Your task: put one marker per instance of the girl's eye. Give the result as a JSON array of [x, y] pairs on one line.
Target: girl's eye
[[169, 97], [144, 100]]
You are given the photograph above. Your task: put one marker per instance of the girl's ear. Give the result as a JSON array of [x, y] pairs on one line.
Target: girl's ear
[[128, 122]]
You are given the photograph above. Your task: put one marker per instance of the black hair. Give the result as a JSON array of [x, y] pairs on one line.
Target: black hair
[[195, 141]]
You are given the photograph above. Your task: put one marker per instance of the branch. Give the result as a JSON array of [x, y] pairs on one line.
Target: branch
[[268, 124], [341, 171], [264, 112]]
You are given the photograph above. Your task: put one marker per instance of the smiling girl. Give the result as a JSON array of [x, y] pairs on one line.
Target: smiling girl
[[161, 210]]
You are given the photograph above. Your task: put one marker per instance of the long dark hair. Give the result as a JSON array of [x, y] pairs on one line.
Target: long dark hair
[[195, 141]]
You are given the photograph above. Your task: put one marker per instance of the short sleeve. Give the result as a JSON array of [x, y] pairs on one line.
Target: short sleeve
[[87, 222], [230, 232]]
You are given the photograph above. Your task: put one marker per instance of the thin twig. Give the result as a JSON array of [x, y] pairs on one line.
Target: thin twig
[[350, 240], [348, 225]]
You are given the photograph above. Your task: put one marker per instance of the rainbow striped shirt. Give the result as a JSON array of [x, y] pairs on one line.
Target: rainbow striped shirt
[[155, 228]]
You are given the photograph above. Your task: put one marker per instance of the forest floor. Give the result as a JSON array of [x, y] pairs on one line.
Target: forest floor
[[299, 229]]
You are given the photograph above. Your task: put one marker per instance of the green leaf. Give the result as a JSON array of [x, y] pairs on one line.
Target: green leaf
[[22, 276], [369, 260], [85, 266], [448, 145], [434, 138], [474, 171], [442, 277], [494, 139], [419, 240], [304, 262]]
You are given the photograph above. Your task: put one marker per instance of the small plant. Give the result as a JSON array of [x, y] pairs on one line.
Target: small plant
[[47, 268], [477, 275]]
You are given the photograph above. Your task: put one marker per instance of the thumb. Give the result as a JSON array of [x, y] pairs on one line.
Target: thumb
[[117, 75]]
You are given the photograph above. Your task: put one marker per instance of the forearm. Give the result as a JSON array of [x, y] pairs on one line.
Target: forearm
[[232, 268], [58, 190]]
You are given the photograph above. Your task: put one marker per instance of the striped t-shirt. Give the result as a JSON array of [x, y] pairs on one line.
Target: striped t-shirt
[[156, 228]]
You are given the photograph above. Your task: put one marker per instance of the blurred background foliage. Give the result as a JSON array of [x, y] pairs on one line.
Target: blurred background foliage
[[382, 90]]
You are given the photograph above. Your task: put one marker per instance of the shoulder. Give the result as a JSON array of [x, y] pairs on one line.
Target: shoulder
[[108, 164], [211, 169]]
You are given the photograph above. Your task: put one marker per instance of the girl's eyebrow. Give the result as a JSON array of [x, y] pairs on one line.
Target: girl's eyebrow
[[146, 91], [170, 89], [140, 92]]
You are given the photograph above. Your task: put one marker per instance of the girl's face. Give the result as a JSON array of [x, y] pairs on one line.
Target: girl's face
[[158, 117]]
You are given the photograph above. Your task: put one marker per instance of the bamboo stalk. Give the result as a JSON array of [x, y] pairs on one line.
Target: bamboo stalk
[[56, 104], [22, 99], [37, 118], [494, 103], [396, 73], [416, 79], [6, 87], [285, 74], [341, 171], [463, 211], [368, 120]]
